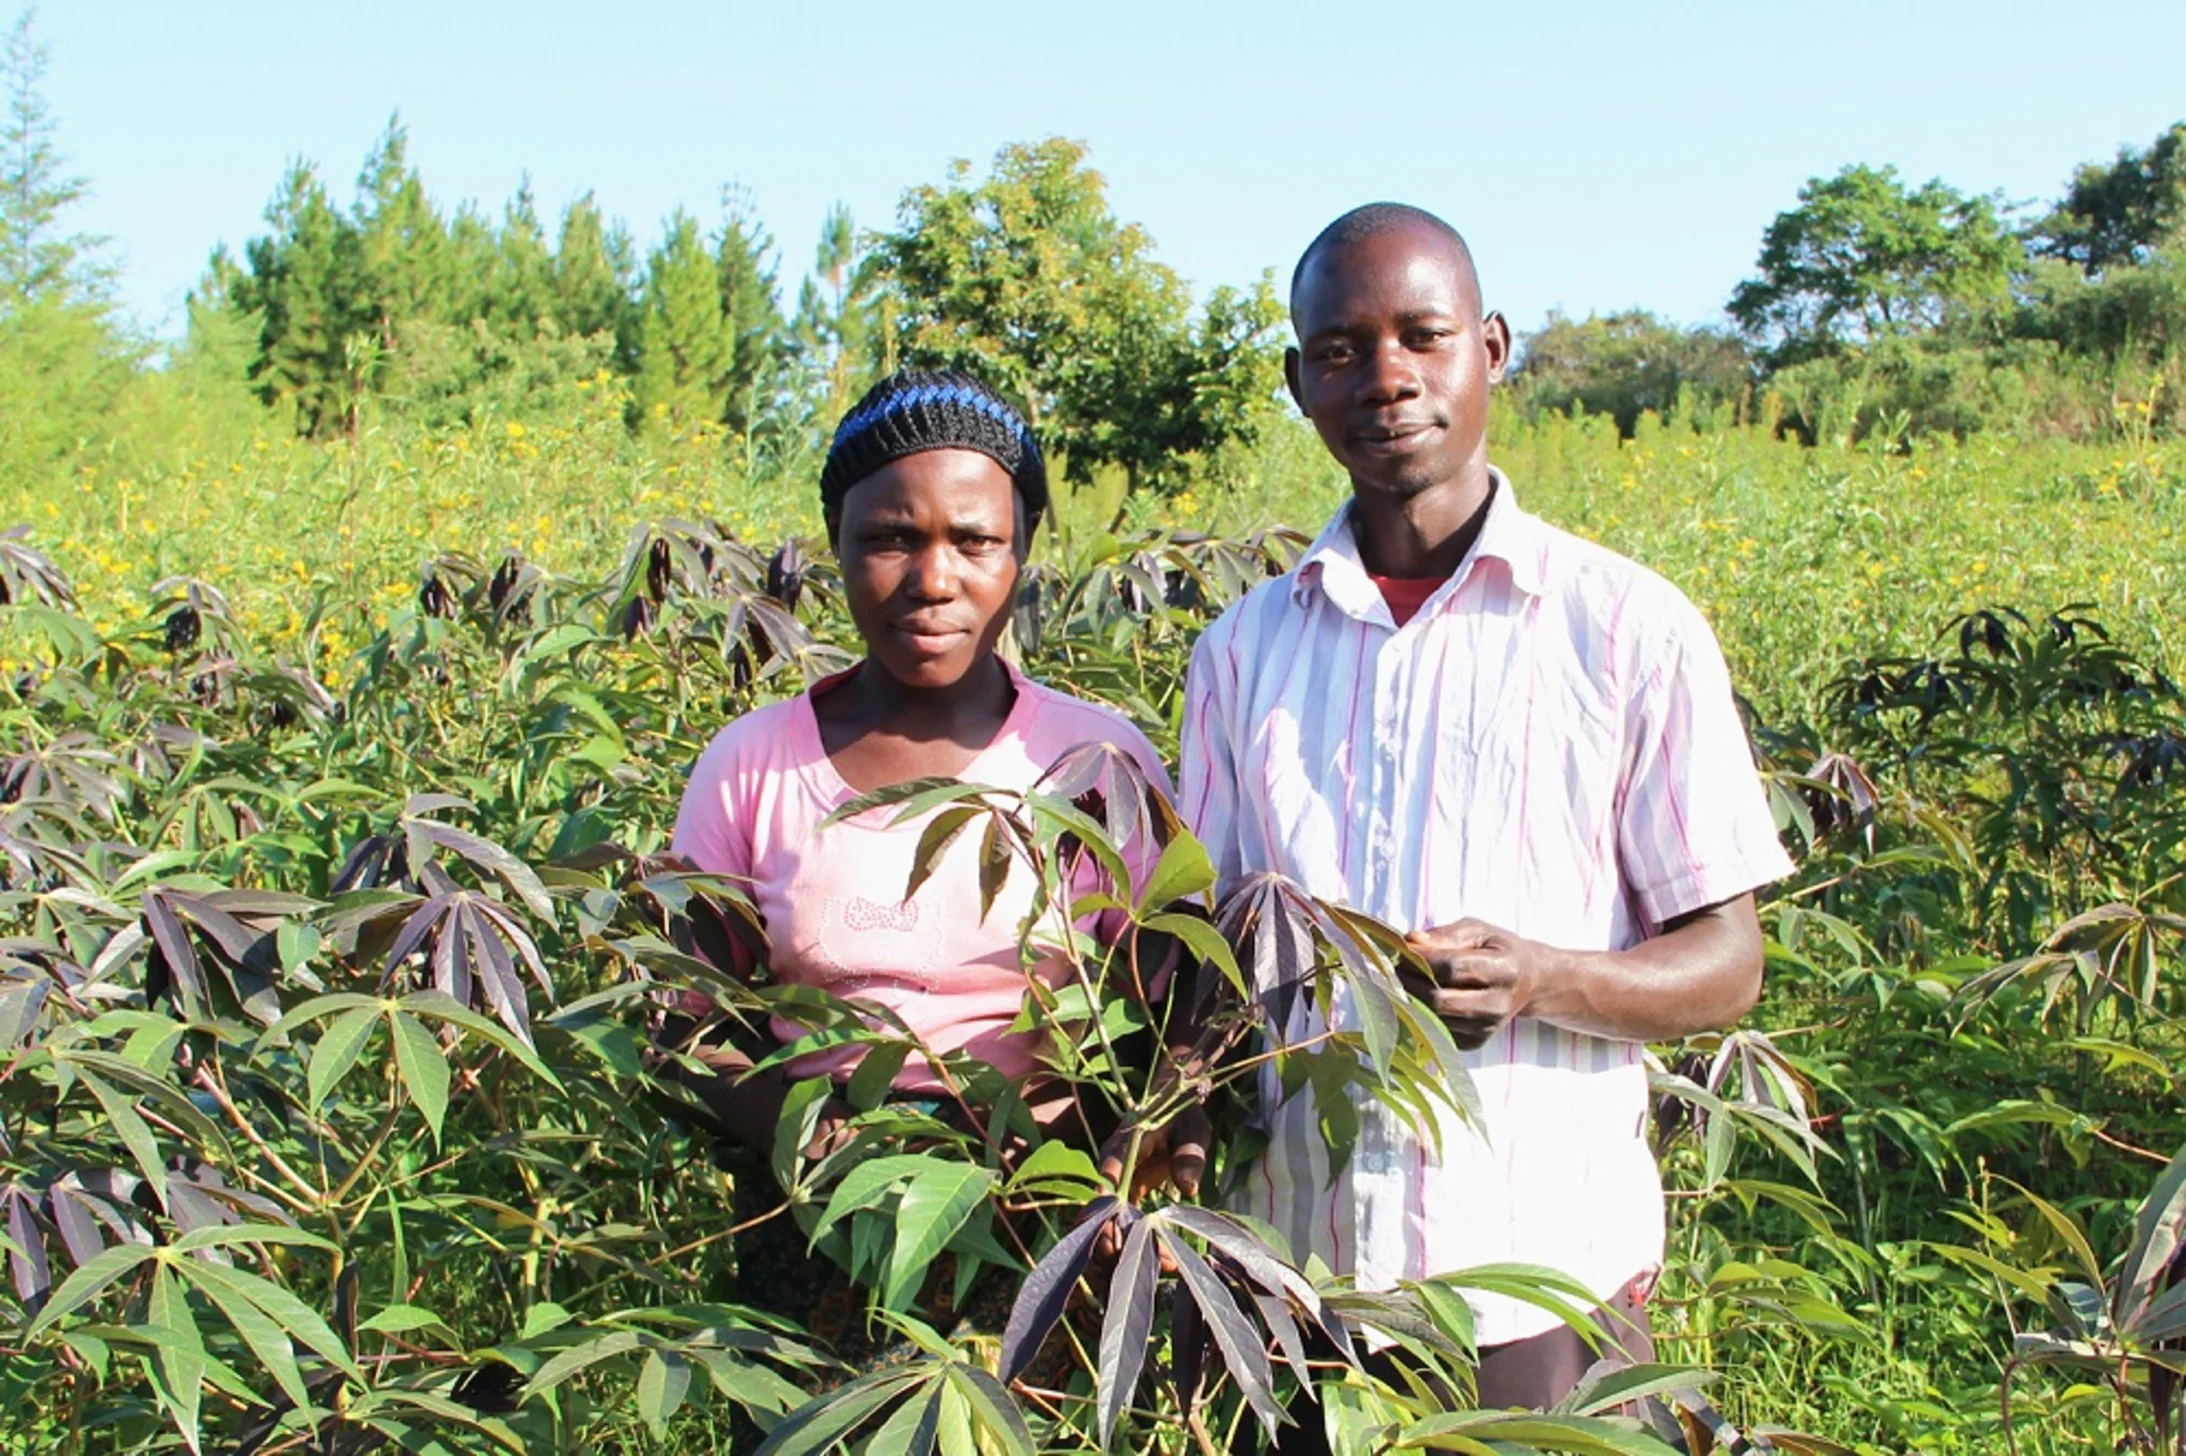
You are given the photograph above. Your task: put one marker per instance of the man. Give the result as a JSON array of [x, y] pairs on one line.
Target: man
[[1517, 747]]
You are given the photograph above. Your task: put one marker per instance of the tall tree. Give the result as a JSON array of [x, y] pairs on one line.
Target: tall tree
[[38, 259], [2119, 213], [838, 320], [1863, 256], [751, 314], [1030, 280], [685, 351], [521, 291], [594, 278], [403, 270], [302, 286]]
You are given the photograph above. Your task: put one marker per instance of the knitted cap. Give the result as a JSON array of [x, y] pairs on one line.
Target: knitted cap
[[913, 410]]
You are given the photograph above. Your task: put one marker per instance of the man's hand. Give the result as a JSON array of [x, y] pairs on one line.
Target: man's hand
[[1483, 976], [1702, 971], [1175, 1154]]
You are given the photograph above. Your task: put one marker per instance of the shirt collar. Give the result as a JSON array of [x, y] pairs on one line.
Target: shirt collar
[[1508, 535]]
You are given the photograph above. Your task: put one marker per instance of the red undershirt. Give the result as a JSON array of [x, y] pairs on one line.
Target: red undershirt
[[1407, 594]]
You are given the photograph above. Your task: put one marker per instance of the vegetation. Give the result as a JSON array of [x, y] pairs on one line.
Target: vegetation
[[350, 661]]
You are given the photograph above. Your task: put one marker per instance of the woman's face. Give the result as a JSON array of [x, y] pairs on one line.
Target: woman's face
[[930, 547]]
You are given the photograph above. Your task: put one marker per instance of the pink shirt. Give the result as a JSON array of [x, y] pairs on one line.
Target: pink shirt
[[1550, 745], [832, 898]]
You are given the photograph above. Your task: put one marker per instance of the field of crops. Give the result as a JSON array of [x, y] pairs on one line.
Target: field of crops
[[328, 773]]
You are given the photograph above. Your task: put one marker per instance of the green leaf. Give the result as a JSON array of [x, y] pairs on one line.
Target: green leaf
[[994, 863], [266, 1339], [178, 1372], [544, 1316], [869, 1182], [1183, 870], [134, 1133], [337, 1051], [83, 1285], [400, 1319], [296, 944], [229, 1235], [582, 1357], [876, 1074], [911, 1430], [928, 1215], [663, 1381], [301, 1322], [933, 842], [424, 1069], [991, 1404], [1057, 1170], [817, 1424], [442, 1007]]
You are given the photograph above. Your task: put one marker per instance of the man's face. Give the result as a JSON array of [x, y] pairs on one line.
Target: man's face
[[930, 547], [1394, 360]]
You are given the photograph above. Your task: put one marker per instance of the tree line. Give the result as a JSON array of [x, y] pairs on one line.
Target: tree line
[[1875, 305], [1024, 274], [1880, 305]]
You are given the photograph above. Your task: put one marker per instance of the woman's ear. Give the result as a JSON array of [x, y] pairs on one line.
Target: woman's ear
[[1021, 536], [833, 522]]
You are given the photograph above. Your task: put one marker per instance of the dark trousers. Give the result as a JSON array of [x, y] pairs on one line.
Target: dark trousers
[[1532, 1373]]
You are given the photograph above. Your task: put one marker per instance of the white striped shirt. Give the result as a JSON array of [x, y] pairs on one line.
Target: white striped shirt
[[1551, 746]]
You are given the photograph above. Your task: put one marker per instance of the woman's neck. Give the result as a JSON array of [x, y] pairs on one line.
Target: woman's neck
[[873, 697]]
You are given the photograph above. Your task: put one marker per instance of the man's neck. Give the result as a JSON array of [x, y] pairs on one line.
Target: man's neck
[[1423, 535]]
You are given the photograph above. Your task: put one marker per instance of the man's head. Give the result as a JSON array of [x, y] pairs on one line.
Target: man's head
[[1394, 356]]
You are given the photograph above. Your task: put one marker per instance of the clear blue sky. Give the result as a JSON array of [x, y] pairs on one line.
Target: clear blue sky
[[1599, 155]]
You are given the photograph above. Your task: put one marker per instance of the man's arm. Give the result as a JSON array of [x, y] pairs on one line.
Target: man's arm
[[1701, 973]]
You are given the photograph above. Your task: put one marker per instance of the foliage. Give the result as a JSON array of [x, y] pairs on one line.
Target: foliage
[[1632, 363], [1863, 256], [1029, 280], [2116, 213]]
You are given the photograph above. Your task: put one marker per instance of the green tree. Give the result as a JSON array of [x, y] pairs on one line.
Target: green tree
[[1028, 279], [63, 360], [403, 270], [684, 349], [1863, 256], [595, 274], [38, 259], [838, 323], [751, 317], [1625, 364], [301, 286], [521, 290], [710, 335], [2120, 213]]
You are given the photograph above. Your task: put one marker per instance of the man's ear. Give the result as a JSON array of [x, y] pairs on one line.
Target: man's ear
[[1291, 360], [1495, 338]]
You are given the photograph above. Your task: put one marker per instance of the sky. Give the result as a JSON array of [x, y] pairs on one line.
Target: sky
[[1599, 156]]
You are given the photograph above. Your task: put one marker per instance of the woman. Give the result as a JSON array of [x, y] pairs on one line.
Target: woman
[[931, 491]]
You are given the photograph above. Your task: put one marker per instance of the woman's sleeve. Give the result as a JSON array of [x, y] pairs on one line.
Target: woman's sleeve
[[713, 832], [713, 827]]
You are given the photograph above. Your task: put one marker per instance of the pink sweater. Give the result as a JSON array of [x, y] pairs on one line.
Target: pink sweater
[[832, 898]]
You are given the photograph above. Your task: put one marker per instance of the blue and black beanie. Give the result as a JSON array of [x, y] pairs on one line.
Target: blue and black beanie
[[932, 409]]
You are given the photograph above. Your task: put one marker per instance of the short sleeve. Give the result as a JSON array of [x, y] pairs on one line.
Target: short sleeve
[[1694, 826], [714, 825]]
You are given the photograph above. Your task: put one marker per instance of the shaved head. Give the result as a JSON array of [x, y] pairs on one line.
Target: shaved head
[[1372, 221]]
